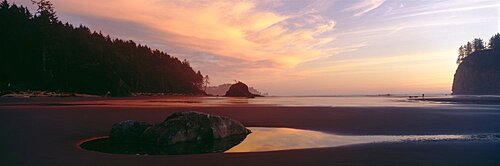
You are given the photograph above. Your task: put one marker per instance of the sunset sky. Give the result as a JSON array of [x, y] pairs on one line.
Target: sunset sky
[[301, 47]]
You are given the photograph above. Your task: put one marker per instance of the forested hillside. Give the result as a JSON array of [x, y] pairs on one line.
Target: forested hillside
[[39, 52]]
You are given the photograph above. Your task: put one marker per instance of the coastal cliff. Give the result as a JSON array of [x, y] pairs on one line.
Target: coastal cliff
[[478, 74]]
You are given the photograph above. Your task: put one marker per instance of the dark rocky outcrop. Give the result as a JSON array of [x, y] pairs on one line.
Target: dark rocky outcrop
[[221, 90], [193, 127], [239, 90], [106, 145], [128, 132], [478, 74], [180, 133]]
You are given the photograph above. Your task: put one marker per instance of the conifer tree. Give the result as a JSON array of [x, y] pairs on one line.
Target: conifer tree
[[477, 44], [494, 42]]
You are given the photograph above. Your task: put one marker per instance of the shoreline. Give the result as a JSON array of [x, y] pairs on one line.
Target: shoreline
[[486, 99], [49, 94]]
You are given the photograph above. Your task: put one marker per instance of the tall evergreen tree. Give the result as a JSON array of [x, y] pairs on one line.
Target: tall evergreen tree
[[206, 82], [4, 5], [45, 11], [468, 49], [494, 42], [461, 54], [45, 18], [477, 44]]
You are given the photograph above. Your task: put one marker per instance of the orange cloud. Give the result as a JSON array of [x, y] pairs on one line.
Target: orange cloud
[[237, 29]]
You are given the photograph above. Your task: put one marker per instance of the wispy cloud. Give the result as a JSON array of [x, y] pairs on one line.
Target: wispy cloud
[[364, 6], [449, 9]]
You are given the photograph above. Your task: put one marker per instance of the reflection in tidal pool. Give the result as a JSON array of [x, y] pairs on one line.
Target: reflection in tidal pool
[[268, 139], [106, 145], [272, 139]]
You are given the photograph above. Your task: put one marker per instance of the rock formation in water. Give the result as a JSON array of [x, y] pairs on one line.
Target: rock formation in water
[[478, 74], [239, 90], [221, 90]]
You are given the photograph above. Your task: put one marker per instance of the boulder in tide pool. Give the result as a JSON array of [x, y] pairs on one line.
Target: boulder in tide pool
[[179, 133], [182, 127], [128, 132]]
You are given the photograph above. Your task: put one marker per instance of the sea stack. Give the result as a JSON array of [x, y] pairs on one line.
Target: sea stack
[[478, 74], [239, 90]]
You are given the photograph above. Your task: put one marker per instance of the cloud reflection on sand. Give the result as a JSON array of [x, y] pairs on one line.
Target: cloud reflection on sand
[[272, 139]]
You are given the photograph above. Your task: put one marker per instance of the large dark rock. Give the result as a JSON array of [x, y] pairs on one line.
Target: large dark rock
[[478, 74], [239, 90], [182, 127], [180, 133], [221, 90], [127, 132]]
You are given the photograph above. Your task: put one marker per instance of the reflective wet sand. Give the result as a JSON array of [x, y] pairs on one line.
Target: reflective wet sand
[[267, 139], [272, 139]]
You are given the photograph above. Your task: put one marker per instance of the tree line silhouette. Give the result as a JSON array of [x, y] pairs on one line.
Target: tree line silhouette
[[39, 52], [478, 45]]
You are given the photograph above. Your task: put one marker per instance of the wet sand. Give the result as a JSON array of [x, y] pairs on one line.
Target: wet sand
[[490, 100], [48, 134]]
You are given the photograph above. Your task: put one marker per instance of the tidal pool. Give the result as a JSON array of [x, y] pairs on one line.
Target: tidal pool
[[269, 139], [273, 139]]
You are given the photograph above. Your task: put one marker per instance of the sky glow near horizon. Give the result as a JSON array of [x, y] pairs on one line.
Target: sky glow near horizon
[[299, 47]]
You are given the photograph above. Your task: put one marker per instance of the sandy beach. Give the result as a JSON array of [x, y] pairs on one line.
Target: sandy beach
[[48, 134]]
